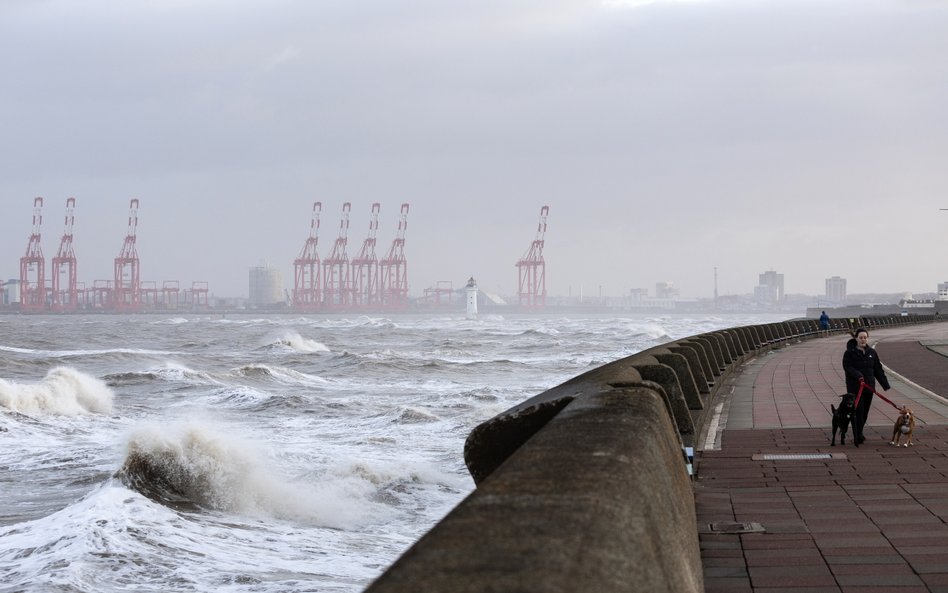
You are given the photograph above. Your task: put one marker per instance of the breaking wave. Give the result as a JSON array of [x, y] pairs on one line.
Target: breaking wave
[[281, 374], [63, 391], [293, 341], [416, 415], [191, 466], [169, 371]]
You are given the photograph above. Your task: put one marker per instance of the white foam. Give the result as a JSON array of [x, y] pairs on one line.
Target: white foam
[[64, 391], [83, 547], [654, 331], [295, 341], [282, 374], [411, 415], [18, 350], [224, 473], [171, 321], [172, 370], [65, 353], [389, 472]]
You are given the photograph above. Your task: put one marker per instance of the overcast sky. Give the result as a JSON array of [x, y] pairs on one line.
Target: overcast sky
[[667, 137]]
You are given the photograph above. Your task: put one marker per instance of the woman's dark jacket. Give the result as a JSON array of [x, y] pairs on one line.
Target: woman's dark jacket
[[866, 365]]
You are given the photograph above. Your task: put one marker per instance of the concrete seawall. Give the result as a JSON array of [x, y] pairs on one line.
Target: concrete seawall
[[586, 486]]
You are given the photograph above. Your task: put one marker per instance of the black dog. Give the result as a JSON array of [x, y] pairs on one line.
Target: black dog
[[842, 417]]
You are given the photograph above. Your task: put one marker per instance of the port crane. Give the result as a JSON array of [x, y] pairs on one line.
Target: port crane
[[126, 292], [365, 267], [307, 291], [394, 268], [336, 286], [64, 265], [33, 266], [531, 269]]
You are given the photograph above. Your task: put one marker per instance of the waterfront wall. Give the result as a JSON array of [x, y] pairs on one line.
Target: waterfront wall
[[586, 486]]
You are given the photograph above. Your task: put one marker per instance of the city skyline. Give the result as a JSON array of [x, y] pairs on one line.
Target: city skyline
[[769, 287]]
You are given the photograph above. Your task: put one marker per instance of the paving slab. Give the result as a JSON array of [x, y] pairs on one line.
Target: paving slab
[[829, 518]]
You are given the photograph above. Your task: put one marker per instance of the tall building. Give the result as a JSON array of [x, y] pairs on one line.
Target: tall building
[[11, 291], [266, 286], [769, 289], [836, 289], [943, 291]]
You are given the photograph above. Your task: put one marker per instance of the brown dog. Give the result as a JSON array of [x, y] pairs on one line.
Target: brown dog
[[904, 425]]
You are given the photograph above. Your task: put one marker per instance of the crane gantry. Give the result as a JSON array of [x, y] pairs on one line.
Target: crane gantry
[[531, 269], [394, 269], [365, 267], [307, 289], [64, 264], [33, 266], [336, 286], [126, 294]]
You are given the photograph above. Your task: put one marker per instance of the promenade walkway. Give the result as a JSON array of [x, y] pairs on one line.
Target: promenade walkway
[[779, 510]]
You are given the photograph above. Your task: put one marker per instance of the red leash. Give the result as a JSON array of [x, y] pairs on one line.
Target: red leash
[[864, 385]]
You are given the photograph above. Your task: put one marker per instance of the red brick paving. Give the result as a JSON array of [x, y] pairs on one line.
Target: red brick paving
[[872, 522]]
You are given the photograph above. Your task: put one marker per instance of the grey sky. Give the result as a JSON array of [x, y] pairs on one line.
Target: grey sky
[[806, 136]]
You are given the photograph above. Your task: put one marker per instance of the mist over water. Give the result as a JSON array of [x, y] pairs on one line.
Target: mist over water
[[280, 453]]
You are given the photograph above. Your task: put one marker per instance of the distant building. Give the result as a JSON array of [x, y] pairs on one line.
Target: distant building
[[11, 291], [638, 295], [836, 289], [943, 291], [911, 303], [666, 290], [266, 287], [638, 299], [769, 289]]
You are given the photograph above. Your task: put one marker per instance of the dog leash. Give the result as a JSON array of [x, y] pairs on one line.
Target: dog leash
[[864, 385]]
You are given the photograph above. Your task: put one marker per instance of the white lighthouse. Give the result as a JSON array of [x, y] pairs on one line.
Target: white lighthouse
[[471, 289]]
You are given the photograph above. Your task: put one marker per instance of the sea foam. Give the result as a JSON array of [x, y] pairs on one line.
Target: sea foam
[[294, 341], [191, 464], [64, 391]]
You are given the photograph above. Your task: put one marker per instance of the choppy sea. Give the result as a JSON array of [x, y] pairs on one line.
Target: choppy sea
[[261, 454]]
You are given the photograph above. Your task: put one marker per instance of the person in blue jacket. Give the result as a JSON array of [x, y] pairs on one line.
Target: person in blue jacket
[[824, 321], [862, 365]]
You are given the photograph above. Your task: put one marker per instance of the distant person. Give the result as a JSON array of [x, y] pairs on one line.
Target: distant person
[[861, 364], [824, 321]]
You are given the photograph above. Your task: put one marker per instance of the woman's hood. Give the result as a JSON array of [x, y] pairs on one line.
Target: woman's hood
[[851, 344]]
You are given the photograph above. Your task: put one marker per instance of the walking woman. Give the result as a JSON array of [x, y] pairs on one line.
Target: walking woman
[[861, 364]]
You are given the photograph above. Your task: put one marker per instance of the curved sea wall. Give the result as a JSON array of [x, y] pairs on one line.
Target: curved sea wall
[[586, 486]]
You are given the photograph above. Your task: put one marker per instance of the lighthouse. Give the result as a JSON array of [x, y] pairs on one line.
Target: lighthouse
[[471, 289]]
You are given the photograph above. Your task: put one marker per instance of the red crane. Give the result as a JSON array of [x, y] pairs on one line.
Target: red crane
[[307, 292], [64, 264], [32, 266], [532, 269], [127, 288], [365, 267], [336, 288], [394, 269]]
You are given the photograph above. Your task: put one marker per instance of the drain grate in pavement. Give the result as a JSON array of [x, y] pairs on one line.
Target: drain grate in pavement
[[731, 527], [797, 456]]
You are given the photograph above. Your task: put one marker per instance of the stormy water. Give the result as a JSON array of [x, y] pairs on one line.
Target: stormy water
[[261, 453]]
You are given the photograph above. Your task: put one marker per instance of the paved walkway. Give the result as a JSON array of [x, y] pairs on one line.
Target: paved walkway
[[779, 510]]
